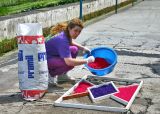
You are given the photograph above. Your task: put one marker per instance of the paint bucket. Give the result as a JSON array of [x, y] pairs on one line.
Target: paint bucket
[[106, 53], [32, 61]]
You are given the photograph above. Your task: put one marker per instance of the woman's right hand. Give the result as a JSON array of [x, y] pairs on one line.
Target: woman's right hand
[[90, 59]]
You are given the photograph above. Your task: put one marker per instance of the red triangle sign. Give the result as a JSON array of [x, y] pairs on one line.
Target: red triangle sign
[[125, 93]]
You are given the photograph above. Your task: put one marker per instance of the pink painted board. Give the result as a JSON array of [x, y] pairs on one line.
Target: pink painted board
[[125, 93], [82, 87]]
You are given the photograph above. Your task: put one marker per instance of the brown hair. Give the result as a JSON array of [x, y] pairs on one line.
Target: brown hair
[[64, 26], [58, 28]]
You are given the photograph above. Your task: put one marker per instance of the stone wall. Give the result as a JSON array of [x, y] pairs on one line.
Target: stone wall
[[51, 16]]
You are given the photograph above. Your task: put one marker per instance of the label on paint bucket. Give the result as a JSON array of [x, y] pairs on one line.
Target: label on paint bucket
[[32, 62]]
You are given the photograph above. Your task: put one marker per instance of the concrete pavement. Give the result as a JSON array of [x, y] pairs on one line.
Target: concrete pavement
[[134, 33]]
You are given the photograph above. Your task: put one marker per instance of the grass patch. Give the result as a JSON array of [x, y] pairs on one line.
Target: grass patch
[[4, 3], [7, 45], [11, 7]]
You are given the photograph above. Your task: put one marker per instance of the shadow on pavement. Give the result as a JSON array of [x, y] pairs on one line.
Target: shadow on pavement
[[11, 98], [130, 53], [60, 87], [53, 88], [154, 66]]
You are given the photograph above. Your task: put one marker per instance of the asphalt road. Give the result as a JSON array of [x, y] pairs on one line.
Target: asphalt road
[[135, 35]]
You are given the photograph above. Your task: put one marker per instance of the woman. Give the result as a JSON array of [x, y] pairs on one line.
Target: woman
[[62, 50]]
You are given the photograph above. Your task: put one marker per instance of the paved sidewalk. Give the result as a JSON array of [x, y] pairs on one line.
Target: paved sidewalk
[[135, 35]]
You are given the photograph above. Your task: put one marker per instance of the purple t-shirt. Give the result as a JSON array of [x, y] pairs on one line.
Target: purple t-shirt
[[58, 46]]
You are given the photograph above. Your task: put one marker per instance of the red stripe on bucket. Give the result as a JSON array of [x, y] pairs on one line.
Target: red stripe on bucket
[[30, 39], [32, 94]]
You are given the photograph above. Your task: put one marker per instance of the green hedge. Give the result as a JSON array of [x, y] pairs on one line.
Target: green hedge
[[4, 3], [8, 7], [7, 45]]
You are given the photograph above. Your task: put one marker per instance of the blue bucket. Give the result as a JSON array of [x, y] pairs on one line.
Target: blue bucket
[[103, 52]]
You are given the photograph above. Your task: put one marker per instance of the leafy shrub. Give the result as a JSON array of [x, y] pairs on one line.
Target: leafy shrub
[[7, 45], [8, 7]]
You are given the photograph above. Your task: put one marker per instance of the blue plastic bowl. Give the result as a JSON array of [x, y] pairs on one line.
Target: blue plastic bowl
[[103, 52]]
